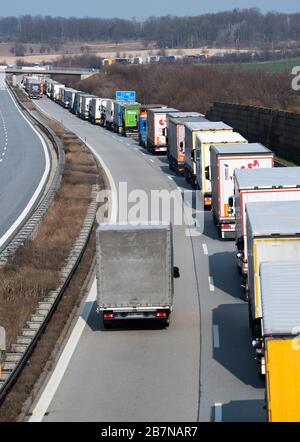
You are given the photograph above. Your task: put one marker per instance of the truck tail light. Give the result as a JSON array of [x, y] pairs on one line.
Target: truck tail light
[[108, 315], [161, 314]]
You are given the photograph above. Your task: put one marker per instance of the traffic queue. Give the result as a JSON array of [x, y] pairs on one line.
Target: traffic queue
[[252, 202]]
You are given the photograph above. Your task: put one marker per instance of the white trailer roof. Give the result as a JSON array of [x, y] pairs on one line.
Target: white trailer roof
[[280, 282], [183, 120], [220, 137], [274, 218], [209, 125], [185, 114], [163, 110], [237, 149], [268, 178]]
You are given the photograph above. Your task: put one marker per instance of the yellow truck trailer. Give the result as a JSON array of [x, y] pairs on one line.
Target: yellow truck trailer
[[280, 345]]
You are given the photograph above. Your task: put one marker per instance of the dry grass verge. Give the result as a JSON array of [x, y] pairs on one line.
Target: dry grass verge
[[35, 268]]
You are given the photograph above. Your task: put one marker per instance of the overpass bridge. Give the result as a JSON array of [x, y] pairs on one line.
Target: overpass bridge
[[19, 70]]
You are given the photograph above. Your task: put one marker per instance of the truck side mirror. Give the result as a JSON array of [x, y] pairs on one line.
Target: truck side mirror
[[164, 132], [230, 201], [193, 156], [207, 173], [181, 145], [176, 273]]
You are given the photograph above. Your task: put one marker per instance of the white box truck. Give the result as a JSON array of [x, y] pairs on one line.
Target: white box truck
[[224, 160], [260, 185], [176, 139], [109, 114], [95, 110], [273, 234], [204, 142], [84, 110], [135, 272], [191, 132], [278, 350], [156, 125]]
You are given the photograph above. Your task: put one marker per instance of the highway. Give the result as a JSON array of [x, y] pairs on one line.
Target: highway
[[24, 165], [201, 368]]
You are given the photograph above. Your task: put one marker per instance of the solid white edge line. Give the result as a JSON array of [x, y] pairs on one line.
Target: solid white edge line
[[216, 336], [56, 377], [38, 190], [218, 412]]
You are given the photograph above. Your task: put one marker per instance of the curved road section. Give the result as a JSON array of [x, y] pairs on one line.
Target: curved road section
[[24, 165]]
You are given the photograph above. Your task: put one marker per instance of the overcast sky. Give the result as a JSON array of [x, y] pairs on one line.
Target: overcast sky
[[137, 8]]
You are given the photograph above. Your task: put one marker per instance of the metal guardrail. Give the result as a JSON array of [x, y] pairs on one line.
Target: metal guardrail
[[21, 351]]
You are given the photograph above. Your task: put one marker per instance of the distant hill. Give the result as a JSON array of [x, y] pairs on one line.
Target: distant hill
[[240, 28]]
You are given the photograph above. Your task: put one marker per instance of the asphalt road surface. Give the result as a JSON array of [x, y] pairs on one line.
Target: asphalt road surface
[[200, 369], [24, 164]]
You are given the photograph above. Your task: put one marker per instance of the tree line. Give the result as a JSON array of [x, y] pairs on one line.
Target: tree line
[[239, 28]]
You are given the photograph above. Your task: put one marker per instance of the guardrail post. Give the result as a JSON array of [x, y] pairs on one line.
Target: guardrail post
[[2, 346]]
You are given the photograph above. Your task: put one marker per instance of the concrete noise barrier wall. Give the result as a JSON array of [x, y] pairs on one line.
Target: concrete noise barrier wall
[[278, 130]]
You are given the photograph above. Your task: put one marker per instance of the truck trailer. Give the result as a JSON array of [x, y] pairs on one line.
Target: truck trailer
[[191, 132], [260, 185], [224, 160], [96, 106], [273, 234], [157, 122], [143, 124], [69, 95], [126, 118], [176, 139], [85, 106], [135, 272], [109, 114], [204, 143], [278, 350]]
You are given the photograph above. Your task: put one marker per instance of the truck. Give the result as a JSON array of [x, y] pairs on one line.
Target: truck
[[224, 160], [191, 131], [55, 88], [85, 106], [259, 185], [68, 99], [77, 105], [109, 114], [176, 139], [204, 142], [95, 110], [156, 135], [273, 234], [143, 124], [135, 272], [278, 349], [61, 94], [33, 89], [126, 118]]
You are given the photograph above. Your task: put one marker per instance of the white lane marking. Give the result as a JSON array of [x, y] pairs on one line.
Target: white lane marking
[[62, 365], [218, 412], [39, 188], [170, 178], [152, 161], [211, 283], [216, 336], [128, 144], [205, 249]]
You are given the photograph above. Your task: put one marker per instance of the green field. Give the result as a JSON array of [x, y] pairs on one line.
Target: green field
[[270, 66]]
